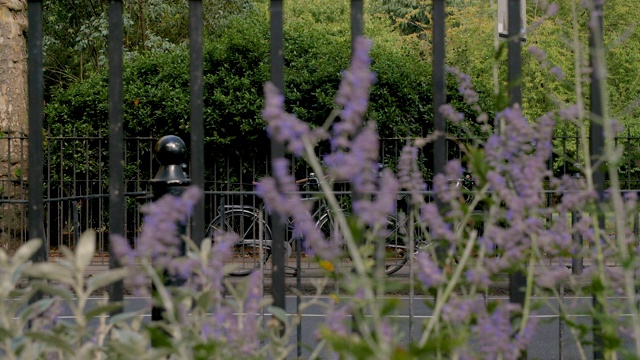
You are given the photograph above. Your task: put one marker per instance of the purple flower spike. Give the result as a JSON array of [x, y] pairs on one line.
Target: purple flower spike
[[429, 273], [377, 211], [451, 114], [497, 334], [409, 174], [281, 195], [284, 127], [159, 238], [353, 94]]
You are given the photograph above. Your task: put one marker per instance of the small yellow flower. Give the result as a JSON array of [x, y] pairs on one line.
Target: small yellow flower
[[327, 265], [335, 298]]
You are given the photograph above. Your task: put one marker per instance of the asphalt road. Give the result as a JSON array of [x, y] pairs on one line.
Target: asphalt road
[[552, 339]]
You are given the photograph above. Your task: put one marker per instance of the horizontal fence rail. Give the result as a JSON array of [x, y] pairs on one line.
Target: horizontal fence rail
[[76, 184]]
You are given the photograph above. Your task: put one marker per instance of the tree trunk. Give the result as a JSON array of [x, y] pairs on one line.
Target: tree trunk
[[13, 119]]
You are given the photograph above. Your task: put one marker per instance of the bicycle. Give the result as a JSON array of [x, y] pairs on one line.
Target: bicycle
[[397, 251], [253, 249]]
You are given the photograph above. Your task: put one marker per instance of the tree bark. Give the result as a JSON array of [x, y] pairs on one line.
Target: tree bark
[[13, 65], [14, 119]]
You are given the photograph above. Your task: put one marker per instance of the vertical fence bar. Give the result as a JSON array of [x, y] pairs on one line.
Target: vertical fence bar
[[277, 151], [196, 172], [36, 96], [596, 137], [439, 86], [116, 138], [439, 99], [357, 23], [517, 279]]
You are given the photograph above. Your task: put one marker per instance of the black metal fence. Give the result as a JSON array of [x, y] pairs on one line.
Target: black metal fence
[[81, 182], [76, 182]]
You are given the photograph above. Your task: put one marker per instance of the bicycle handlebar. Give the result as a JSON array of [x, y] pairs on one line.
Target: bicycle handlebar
[[311, 178]]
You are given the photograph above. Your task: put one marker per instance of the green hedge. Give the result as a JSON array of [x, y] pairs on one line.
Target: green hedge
[[236, 65]]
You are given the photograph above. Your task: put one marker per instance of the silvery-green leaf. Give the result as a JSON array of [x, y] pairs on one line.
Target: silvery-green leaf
[[3, 257], [36, 308], [106, 278], [66, 252], [206, 246], [125, 316], [103, 309], [278, 313], [51, 340], [17, 273], [86, 351], [86, 249], [4, 334], [26, 251], [62, 292], [49, 271]]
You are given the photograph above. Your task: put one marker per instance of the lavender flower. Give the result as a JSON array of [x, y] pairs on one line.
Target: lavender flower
[[213, 273], [336, 320], [377, 211], [358, 162], [430, 214], [465, 87], [444, 185], [451, 114], [499, 338], [281, 196], [557, 72], [247, 328], [552, 277], [459, 310], [552, 9], [428, 272], [537, 53], [122, 250], [479, 277], [409, 175], [284, 127], [159, 237], [353, 93]]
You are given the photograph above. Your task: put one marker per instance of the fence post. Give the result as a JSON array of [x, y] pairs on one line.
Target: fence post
[[170, 179]]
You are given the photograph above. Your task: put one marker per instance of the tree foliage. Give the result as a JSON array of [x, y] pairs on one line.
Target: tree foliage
[[236, 65], [473, 47], [76, 31]]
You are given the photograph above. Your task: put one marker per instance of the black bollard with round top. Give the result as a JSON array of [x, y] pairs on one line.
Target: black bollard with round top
[[171, 153]]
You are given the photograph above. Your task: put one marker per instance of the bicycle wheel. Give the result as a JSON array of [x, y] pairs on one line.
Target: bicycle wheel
[[254, 247], [396, 251]]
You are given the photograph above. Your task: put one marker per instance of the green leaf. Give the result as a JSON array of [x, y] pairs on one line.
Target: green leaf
[[26, 251], [37, 307], [159, 338], [103, 309], [124, 317], [4, 334], [17, 273], [205, 351], [57, 342], [106, 278], [49, 271], [46, 288], [278, 313], [86, 249]]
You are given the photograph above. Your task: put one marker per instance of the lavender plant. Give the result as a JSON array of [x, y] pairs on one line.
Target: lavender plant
[[518, 230], [521, 229]]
